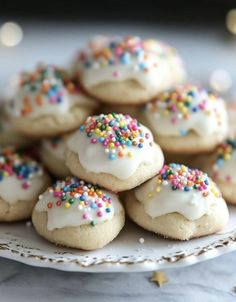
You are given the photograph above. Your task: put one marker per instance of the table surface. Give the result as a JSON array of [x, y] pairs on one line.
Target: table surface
[[211, 281], [204, 50]]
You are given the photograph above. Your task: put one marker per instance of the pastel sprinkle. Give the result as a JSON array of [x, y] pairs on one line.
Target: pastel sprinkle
[[129, 51]]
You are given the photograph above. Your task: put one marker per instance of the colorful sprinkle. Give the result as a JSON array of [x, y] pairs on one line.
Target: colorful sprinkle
[[22, 167], [46, 85], [116, 133], [224, 154], [182, 178], [180, 104], [126, 51], [88, 199]]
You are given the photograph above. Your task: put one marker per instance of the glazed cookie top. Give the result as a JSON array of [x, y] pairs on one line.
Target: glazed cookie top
[[114, 143], [178, 189], [118, 59], [47, 90], [20, 176], [224, 162], [188, 108], [73, 202], [55, 146]]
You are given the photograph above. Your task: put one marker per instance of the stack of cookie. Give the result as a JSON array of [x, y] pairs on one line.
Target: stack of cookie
[[92, 140]]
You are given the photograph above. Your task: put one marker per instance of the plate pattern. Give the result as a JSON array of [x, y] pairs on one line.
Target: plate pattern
[[14, 247]]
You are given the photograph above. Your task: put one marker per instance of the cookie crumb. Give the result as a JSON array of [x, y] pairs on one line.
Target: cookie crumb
[[159, 278], [141, 240]]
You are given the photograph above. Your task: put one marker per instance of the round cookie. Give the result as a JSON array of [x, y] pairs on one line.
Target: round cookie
[[128, 70], [221, 166], [48, 103], [113, 151], [187, 120], [79, 215], [9, 136], [21, 181], [53, 156], [178, 203]]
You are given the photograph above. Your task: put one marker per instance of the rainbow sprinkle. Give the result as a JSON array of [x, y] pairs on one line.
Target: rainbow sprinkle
[[88, 198], [225, 151], [44, 86], [125, 51], [224, 154], [118, 134], [182, 178], [181, 103], [23, 167]]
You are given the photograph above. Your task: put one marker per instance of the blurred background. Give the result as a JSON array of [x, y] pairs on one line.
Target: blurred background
[[204, 32]]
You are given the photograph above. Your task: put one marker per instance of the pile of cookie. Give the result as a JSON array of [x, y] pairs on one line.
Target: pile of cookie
[[119, 132]]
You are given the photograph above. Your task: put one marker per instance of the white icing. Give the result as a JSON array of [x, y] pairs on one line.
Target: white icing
[[94, 159], [11, 189], [47, 106], [227, 171], [165, 69], [56, 148], [204, 122], [59, 217], [191, 204]]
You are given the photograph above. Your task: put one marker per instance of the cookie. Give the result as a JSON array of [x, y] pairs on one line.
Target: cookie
[[221, 166], [128, 70], [53, 156], [48, 103], [178, 203], [22, 179], [187, 120], [9, 136], [114, 151], [79, 215]]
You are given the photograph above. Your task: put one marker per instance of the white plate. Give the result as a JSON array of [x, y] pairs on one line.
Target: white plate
[[125, 254]]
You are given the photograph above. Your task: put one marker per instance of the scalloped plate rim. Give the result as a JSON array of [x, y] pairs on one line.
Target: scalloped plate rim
[[22, 244]]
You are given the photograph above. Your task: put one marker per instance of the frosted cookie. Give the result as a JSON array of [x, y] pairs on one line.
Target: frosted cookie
[[128, 70], [113, 151], [21, 181], [178, 203], [187, 120], [48, 103], [76, 214], [221, 166], [53, 156], [9, 135]]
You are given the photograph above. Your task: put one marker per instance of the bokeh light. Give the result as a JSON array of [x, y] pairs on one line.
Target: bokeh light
[[11, 34], [220, 80], [231, 21]]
